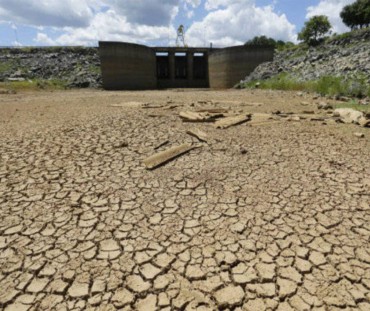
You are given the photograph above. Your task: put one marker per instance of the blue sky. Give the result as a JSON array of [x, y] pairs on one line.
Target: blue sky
[[154, 22]]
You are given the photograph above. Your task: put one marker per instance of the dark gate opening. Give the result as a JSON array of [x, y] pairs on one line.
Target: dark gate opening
[[163, 66], [200, 66], [181, 66]]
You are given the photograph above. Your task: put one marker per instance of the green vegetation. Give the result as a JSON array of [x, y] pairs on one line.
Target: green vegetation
[[357, 14], [5, 66], [265, 41], [354, 104], [328, 85], [34, 85], [315, 29]]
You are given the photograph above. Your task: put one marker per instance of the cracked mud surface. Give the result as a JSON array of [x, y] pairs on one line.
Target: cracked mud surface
[[271, 217]]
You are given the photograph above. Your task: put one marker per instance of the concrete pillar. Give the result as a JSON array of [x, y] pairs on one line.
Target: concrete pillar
[[190, 67], [171, 60]]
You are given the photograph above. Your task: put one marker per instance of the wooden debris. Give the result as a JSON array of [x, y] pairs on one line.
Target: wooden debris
[[167, 155], [161, 144], [198, 134], [214, 110], [231, 121], [151, 106], [191, 116], [127, 104], [359, 135], [319, 119], [171, 107]]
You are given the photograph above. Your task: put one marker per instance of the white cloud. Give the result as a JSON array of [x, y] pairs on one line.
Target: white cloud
[[332, 9], [233, 22], [43, 39], [56, 13], [84, 22], [109, 26], [151, 13]]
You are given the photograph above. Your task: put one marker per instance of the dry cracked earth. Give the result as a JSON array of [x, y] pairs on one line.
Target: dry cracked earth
[[267, 217]]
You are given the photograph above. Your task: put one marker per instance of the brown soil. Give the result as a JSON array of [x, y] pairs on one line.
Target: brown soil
[[269, 216]]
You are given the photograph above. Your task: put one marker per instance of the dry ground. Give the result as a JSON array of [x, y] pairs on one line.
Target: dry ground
[[270, 217]]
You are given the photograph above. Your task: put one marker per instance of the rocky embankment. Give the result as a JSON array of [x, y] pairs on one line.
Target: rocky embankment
[[74, 66], [347, 56]]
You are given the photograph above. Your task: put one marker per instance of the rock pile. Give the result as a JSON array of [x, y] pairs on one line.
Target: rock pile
[[76, 66], [346, 56]]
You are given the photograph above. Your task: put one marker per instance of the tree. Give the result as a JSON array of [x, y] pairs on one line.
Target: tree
[[356, 15], [315, 29], [262, 40]]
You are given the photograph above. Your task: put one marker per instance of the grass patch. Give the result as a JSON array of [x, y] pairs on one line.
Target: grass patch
[[328, 85], [354, 104], [279, 82], [34, 85]]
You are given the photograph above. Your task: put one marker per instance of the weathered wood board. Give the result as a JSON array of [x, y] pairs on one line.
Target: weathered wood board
[[198, 134], [191, 116], [231, 121], [163, 157]]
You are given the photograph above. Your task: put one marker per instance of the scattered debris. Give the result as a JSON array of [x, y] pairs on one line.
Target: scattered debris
[[324, 106], [167, 155], [231, 121], [6, 92], [191, 116], [359, 135], [294, 118], [348, 116], [166, 142], [198, 134]]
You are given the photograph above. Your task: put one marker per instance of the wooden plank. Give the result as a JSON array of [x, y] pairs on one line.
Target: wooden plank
[[127, 104], [213, 110], [165, 156], [191, 116], [151, 106], [198, 134], [231, 121]]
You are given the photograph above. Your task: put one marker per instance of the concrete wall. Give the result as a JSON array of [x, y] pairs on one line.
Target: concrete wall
[[230, 65], [127, 66]]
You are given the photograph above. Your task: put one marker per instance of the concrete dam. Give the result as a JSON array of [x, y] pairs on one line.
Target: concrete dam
[[127, 66]]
